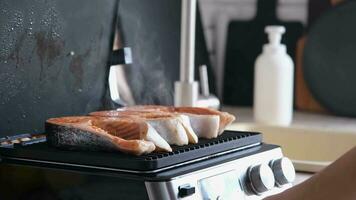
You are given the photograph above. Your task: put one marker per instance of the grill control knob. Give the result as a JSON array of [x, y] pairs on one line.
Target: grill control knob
[[261, 178], [283, 170]]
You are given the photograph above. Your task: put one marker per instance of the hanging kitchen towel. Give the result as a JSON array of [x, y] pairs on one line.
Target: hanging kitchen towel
[[244, 43]]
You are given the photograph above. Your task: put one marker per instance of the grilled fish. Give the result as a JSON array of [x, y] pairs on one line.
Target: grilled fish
[[174, 128], [127, 135], [206, 123]]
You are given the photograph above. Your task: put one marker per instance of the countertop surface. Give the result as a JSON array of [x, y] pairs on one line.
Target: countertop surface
[[301, 176], [302, 120]]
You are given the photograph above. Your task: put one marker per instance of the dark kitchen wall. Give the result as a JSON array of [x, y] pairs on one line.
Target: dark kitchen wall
[[53, 60], [152, 29], [54, 55]]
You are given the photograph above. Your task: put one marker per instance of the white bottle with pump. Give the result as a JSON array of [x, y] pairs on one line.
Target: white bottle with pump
[[273, 82]]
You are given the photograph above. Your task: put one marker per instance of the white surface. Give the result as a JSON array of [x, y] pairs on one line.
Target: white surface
[[310, 149], [275, 34], [118, 83], [301, 177], [273, 82], [114, 83], [310, 166], [186, 93], [302, 120], [312, 145]]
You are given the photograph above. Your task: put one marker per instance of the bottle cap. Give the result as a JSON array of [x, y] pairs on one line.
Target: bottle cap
[[275, 34]]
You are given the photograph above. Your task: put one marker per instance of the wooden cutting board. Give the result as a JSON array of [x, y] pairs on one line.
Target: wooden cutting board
[[329, 59], [304, 99]]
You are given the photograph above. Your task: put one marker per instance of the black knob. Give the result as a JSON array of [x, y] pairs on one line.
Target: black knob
[[186, 190]]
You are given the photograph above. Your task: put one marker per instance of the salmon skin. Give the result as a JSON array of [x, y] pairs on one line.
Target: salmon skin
[[93, 133]]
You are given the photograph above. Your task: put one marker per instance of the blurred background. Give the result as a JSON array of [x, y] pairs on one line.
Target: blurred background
[[55, 60]]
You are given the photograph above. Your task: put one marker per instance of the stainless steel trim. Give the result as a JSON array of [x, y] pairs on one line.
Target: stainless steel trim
[[169, 189], [131, 171]]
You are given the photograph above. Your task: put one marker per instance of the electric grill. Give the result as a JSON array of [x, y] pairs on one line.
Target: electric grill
[[236, 165]]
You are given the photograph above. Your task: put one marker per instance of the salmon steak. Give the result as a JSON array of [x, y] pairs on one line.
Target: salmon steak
[[203, 122], [122, 134], [137, 130]]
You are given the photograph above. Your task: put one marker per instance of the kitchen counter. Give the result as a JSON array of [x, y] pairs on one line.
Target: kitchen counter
[[307, 122], [304, 120], [301, 177]]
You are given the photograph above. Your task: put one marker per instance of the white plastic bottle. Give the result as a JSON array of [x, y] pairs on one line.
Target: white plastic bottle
[[274, 72]]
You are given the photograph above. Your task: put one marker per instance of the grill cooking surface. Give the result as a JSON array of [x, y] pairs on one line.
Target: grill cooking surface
[[227, 142]]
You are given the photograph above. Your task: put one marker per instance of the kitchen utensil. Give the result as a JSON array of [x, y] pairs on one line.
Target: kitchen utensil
[[329, 63], [244, 42]]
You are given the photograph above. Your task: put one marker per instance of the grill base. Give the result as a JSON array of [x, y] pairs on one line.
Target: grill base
[[228, 142], [87, 182]]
